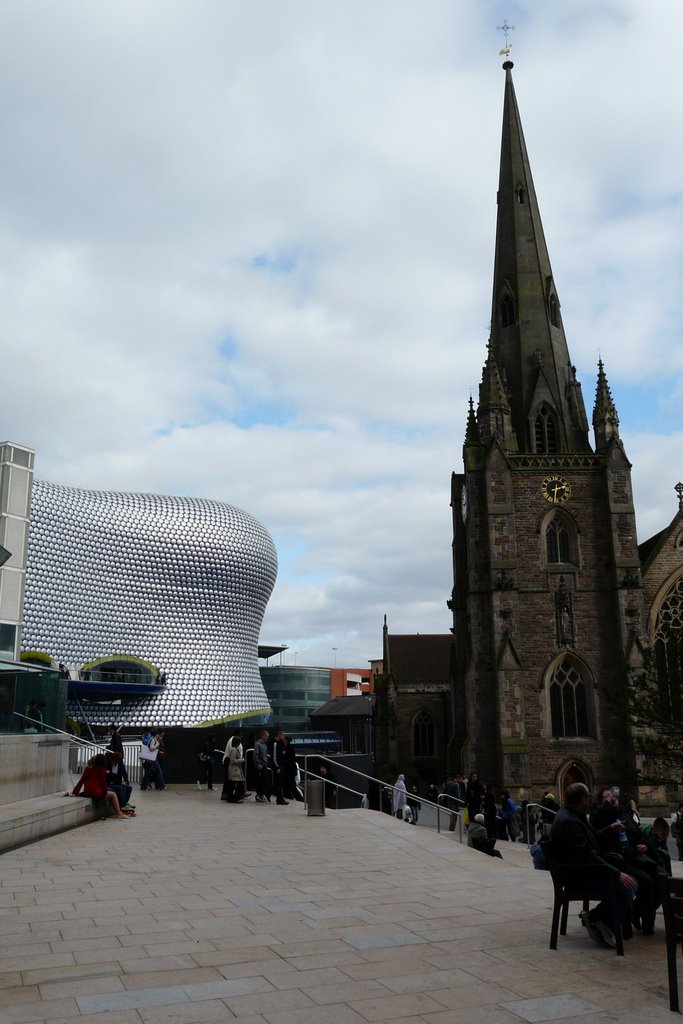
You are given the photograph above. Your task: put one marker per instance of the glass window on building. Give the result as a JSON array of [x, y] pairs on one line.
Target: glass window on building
[[21, 458], [8, 636], [4, 487]]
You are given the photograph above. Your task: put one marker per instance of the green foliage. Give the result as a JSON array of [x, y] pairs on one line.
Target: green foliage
[[654, 711]]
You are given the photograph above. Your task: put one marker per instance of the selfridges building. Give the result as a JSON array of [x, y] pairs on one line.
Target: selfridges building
[[156, 601]]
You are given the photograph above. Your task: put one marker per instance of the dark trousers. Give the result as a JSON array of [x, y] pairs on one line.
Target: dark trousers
[[123, 792], [151, 775], [232, 791], [648, 897], [278, 780], [263, 783], [205, 773], [603, 911]]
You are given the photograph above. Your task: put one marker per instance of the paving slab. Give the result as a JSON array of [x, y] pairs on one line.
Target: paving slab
[[199, 911]]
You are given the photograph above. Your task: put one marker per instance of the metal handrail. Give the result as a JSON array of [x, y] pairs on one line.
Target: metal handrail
[[62, 732], [545, 810], [387, 785], [460, 814], [332, 782]]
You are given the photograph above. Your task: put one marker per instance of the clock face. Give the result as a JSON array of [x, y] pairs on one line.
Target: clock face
[[464, 505], [555, 489]]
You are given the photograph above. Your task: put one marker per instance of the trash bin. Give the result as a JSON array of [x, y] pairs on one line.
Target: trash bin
[[315, 797]]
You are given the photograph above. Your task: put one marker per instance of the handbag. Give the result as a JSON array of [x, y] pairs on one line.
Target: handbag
[[148, 755]]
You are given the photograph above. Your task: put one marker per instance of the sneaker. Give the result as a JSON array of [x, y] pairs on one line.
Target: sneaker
[[606, 934], [261, 799], [591, 927], [199, 786]]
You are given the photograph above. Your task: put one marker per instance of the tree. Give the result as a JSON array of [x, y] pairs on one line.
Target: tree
[[654, 710]]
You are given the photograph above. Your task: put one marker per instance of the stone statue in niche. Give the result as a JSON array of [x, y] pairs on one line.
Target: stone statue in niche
[[564, 614]]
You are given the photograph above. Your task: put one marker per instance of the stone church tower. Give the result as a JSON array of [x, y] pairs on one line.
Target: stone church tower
[[548, 600]]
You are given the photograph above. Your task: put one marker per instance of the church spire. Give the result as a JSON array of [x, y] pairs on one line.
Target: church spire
[[605, 418], [471, 431], [526, 328]]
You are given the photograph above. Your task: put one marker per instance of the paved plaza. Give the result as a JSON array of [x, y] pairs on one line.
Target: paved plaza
[[200, 911]]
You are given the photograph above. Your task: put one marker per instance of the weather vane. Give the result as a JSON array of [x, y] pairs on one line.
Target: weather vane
[[506, 29]]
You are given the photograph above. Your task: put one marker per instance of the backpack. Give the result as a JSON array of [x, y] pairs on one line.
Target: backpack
[[146, 738]]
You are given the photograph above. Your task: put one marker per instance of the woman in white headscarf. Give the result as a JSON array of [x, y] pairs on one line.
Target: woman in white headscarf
[[400, 796]]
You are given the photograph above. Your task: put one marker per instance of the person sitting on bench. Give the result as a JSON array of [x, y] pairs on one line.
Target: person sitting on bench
[[575, 843]]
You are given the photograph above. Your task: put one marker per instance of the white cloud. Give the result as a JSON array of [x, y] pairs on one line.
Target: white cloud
[[246, 252]]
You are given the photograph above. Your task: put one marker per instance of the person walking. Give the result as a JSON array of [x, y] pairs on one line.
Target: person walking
[[156, 772], [262, 768], [291, 771], [490, 812], [278, 761], [115, 741], [205, 758], [400, 797], [414, 804], [227, 790], [475, 796], [235, 773]]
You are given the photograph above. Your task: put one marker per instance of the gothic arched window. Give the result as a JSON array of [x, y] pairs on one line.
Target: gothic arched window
[[521, 197], [423, 735], [668, 649], [545, 432], [558, 541], [554, 311], [507, 311], [568, 701]]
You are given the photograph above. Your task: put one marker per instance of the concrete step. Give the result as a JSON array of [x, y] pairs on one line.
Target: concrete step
[[27, 820]]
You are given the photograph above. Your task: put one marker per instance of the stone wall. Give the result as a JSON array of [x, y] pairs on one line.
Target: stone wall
[[32, 766]]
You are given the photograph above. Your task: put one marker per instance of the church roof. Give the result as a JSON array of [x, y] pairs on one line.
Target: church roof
[[420, 657], [355, 706], [527, 337], [649, 549]]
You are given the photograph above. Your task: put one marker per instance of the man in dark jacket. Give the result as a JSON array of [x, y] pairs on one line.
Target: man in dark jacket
[[277, 754], [261, 762], [574, 842], [115, 741]]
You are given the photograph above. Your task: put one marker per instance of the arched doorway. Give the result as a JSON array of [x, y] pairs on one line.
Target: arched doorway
[[573, 771]]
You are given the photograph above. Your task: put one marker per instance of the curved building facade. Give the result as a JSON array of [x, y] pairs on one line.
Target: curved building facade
[[182, 583]]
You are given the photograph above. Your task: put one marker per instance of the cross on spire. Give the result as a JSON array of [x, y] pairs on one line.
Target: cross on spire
[[679, 491], [506, 29]]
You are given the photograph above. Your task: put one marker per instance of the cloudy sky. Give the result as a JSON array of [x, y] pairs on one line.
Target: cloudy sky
[[246, 253]]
